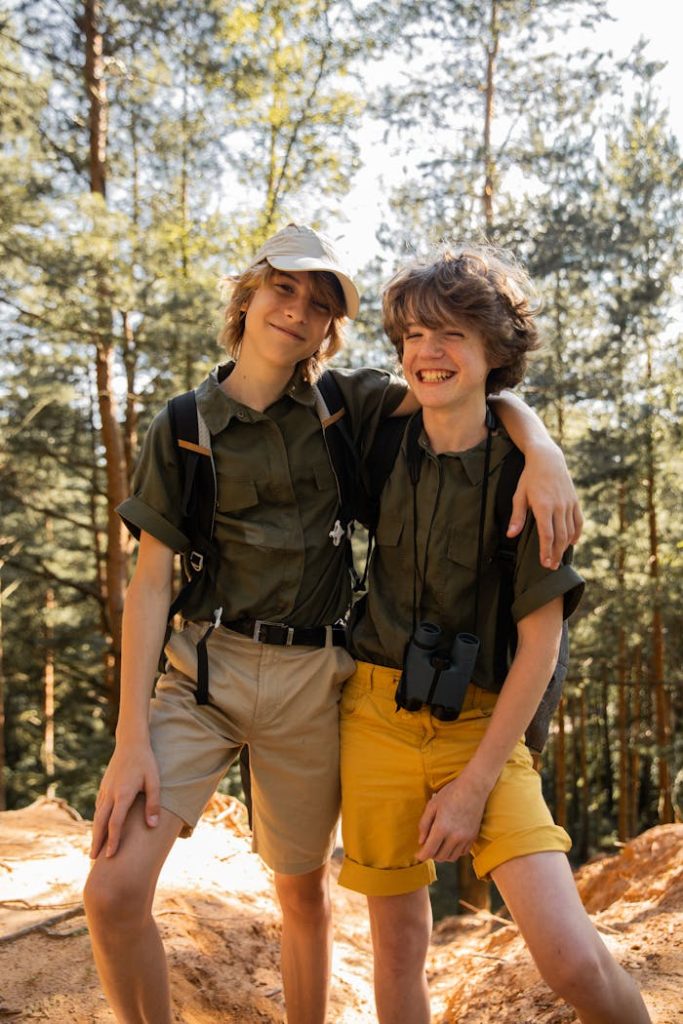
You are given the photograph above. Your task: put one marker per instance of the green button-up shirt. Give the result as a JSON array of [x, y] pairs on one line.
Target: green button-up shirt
[[447, 530], [277, 499]]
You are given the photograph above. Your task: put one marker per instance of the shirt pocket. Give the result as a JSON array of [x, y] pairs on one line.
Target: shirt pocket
[[323, 476], [462, 549], [236, 495], [389, 531]]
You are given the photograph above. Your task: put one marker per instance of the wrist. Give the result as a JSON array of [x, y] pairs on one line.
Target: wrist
[[132, 734]]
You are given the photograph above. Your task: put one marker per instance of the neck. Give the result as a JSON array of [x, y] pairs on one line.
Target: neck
[[456, 430], [257, 386]]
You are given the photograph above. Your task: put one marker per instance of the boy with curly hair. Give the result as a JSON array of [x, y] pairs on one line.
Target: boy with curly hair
[[433, 760]]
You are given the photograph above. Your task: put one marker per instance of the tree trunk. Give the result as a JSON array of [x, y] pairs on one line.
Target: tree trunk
[[116, 562], [130, 435], [584, 787], [663, 711], [622, 820], [49, 679], [489, 163], [560, 768], [636, 739]]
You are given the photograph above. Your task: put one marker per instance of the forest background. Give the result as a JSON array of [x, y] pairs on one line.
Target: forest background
[[148, 147]]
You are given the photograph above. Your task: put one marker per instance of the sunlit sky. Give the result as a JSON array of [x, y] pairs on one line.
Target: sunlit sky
[[659, 21]]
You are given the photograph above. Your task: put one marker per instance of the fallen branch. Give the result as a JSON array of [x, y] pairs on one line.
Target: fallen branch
[[486, 913], [25, 905], [44, 925]]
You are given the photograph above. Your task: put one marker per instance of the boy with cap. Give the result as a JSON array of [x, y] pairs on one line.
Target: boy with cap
[[433, 761], [278, 587]]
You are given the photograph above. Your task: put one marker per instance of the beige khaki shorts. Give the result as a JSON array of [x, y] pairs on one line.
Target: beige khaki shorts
[[284, 703]]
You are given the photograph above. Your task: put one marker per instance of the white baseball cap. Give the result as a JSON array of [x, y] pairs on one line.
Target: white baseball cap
[[302, 248]]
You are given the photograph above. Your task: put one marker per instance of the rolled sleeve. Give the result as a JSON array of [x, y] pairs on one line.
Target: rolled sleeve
[[369, 396], [155, 503], [563, 582], [535, 585]]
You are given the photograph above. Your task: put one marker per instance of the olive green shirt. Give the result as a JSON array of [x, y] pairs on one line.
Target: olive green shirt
[[277, 499], [449, 495]]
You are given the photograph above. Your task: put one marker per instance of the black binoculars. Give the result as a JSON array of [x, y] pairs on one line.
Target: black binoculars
[[434, 676]]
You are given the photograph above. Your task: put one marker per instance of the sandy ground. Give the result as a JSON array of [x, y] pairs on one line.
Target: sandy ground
[[219, 922]]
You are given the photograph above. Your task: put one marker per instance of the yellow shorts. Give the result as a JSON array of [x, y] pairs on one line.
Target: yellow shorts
[[283, 702], [391, 764]]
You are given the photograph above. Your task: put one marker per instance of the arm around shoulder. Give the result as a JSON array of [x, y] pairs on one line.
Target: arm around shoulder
[[545, 486]]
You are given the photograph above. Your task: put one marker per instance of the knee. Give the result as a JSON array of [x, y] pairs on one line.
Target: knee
[[304, 897], [401, 951], [580, 975], [115, 900]]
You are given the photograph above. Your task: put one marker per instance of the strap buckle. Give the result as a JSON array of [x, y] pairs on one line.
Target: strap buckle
[[196, 561]]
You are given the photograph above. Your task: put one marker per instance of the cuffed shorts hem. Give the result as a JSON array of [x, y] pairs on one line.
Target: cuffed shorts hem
[[386, 881], [550, 838], [290, 867], [188, 818]]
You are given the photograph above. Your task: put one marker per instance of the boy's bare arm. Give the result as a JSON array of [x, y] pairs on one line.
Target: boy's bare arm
[[133, 768], [452, 818]]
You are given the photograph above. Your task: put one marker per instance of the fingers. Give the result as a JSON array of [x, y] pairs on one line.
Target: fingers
[[426, 822], [152, 806], [116, 820], [520, 507], [546, 538], [100, 824], [575, 524]]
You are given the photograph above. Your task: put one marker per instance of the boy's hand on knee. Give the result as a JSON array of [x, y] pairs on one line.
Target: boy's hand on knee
[[130, 772], [450, 822]]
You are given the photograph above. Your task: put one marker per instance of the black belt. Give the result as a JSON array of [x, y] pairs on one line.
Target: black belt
[[282, 635]]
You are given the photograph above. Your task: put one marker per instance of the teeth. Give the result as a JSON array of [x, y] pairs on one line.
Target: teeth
[[434, 376]]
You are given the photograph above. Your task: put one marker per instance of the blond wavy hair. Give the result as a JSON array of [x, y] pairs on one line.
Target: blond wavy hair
[[480, 285], [325, 289]]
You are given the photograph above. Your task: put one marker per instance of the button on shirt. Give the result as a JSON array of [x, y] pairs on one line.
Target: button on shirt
[[277, 499], [448, 511]]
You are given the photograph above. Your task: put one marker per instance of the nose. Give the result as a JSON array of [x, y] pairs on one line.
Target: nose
[[431, 344], [297, 307]]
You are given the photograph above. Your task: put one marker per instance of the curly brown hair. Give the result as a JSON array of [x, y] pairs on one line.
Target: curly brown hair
[[480, 285], [325, 288]]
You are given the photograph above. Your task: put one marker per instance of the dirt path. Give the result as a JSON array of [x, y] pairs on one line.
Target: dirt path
[[220, 926]]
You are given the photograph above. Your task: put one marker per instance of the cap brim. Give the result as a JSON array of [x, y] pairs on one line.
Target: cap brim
[[351, 294]]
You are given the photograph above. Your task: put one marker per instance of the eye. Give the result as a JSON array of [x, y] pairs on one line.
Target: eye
[[321, 307]]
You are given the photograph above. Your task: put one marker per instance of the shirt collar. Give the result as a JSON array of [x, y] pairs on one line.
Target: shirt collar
[[218, 408], [472, 460]]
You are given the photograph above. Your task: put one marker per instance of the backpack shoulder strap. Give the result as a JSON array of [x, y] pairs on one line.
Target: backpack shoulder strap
[[329, 404], [378, 463], [198, 480], [506, 554]]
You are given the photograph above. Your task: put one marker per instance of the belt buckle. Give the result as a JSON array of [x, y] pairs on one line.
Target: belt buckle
[[256, 635]]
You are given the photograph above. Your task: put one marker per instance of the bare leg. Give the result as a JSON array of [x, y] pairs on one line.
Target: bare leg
[[540, 893], [126, 944], [401, 927], [306, 955]]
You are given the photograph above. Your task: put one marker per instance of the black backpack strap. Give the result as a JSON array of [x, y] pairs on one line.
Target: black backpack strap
[[340, 445], [377, 466], [506, 554], [198, 476]]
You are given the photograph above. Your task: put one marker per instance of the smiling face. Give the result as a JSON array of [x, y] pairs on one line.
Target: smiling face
[[446, 366], [287, 319]]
